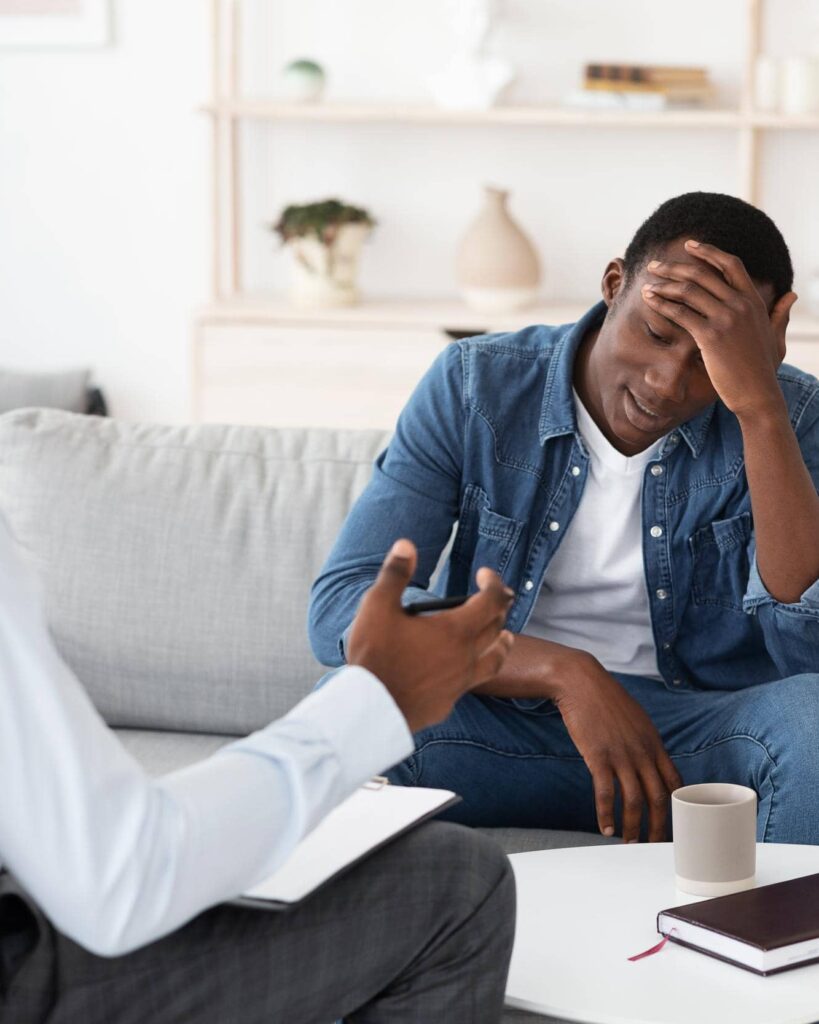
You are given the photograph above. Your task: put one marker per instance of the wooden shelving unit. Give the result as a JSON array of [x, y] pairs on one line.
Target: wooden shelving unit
[[427, 318], [228, 109], [408, 113], [543, 116]]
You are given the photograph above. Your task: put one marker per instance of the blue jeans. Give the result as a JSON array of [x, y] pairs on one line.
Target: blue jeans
[[517, 766]]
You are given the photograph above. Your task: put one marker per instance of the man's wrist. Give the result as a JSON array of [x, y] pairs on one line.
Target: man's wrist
[[561, 666], [767, 414]]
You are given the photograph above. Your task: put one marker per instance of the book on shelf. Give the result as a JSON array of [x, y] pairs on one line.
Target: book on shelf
[[645, 73], [677, 86], [766, 930]]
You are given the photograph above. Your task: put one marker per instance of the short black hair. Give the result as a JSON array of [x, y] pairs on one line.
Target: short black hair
[[729, 223]]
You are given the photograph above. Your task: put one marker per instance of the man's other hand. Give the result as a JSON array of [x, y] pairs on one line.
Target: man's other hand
[[427, 662], [621, 747]]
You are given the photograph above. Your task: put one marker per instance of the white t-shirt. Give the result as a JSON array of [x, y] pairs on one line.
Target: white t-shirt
[[594, 596]]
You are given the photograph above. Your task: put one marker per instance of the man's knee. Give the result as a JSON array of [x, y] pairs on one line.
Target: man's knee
[[469, 868], [791, 708]]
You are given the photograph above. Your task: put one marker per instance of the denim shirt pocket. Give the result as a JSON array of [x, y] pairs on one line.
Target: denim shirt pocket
[[721, 564], [484, 537]]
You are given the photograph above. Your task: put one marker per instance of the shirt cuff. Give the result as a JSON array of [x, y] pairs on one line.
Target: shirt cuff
[[758, 594], [355, 713]]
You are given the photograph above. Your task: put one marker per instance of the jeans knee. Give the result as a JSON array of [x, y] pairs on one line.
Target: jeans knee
[[795, 709], [477, 869]]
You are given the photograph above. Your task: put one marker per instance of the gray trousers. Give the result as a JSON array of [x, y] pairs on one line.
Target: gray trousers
[[420, 932]]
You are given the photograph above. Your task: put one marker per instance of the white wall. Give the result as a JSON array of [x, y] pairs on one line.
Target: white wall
[[105, 165], [104, 185]]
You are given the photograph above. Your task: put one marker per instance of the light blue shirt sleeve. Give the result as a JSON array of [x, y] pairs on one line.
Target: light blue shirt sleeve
[[414, 492], [116, 859], [791, 631]]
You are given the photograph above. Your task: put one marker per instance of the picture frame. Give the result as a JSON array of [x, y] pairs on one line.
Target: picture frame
[[43, 24]]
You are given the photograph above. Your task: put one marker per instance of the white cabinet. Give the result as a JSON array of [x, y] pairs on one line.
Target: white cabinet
[[335, 370], [291, 375]]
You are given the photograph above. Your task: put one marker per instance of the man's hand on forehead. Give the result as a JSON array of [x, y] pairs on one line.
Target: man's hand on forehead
[[717, 303]]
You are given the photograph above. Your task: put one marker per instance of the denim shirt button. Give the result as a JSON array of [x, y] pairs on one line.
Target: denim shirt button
[[662, 594], [554, 526], [676, 682], [656, 470], [666, 646], [656, 531], [528, 585], [674, 439], [575, 470]]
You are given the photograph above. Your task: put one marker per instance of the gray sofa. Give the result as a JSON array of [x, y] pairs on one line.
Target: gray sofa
[[176, 563]]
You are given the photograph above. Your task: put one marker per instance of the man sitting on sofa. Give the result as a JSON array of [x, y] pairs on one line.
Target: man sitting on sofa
[[102, 859], [646, 481]]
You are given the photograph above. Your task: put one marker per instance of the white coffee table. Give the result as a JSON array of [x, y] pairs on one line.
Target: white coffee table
[[582, 912]]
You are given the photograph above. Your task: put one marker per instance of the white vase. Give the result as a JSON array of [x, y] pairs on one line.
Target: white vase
[[766, 83], [472, 79], [325, 275], [497, 267], [799, 85]]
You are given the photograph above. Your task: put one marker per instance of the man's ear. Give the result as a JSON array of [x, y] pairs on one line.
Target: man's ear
[[613, 283]]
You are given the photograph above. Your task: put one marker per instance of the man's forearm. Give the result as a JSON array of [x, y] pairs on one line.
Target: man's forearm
[[535, 668], [784, 503]]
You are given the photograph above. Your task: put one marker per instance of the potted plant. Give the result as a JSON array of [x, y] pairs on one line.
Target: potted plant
[[325, 239]]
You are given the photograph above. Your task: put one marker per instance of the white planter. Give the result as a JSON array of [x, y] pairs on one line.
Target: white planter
[[303, 83], [325, 275]]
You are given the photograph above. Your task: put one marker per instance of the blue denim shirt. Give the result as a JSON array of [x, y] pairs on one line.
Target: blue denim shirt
[[489, 441]]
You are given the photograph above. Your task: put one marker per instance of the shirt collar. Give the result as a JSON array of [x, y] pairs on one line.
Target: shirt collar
[[694, 431], [557, 413]]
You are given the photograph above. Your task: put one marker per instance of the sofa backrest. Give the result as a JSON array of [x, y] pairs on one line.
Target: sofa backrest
[[176, 562], [64, 389]]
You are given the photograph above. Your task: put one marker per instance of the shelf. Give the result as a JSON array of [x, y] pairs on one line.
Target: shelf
[[555, 116], [787, 121], [407, 113], [436, 314]]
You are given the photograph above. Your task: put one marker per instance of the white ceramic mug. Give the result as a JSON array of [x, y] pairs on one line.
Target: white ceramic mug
[[714, 838]]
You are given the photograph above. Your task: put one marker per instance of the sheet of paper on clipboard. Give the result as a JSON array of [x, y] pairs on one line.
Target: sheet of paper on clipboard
[[373, 816]]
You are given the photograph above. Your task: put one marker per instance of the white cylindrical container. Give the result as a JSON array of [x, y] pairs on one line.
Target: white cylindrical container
[[811, 294], [714, 838], [766, 83], [799, 85]]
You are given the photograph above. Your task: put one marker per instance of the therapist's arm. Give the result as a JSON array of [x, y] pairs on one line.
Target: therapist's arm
[[116, 859]]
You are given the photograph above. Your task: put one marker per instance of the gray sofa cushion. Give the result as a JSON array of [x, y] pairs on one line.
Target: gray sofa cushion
[[66, 389], [163, 752], [176, 562]]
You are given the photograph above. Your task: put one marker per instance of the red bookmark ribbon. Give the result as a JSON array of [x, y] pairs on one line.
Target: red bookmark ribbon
[[654, 949]]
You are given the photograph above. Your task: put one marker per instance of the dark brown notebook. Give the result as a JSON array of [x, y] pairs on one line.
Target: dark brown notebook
[[766, 930]]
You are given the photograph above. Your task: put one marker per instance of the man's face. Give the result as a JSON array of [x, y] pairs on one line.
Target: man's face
[[642, 375]]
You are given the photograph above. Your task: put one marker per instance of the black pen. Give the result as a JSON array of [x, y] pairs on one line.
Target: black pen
[[435, 604]]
